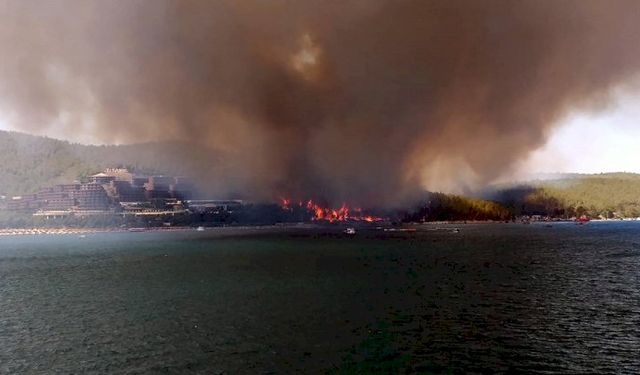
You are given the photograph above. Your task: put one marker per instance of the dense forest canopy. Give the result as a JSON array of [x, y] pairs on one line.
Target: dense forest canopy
[[29, 163], [442, 207]]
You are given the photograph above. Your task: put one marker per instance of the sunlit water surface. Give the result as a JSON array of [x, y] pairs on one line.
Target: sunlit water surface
[[492, 298]]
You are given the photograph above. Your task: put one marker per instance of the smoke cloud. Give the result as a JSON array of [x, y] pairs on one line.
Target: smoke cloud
[[362, 101]]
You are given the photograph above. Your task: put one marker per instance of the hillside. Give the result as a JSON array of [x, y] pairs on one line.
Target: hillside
[[442, 207], [608, 195], [28, 163]]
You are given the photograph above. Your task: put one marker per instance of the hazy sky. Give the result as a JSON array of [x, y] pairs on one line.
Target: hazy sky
[[605, 141]]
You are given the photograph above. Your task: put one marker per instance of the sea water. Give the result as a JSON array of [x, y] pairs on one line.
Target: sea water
[[490, 298]]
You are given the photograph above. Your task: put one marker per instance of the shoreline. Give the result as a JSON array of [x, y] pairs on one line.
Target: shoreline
[[51, 231], [4, 232], [65, 231]]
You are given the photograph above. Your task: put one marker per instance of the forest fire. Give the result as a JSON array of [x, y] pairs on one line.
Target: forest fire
[[319, 212]]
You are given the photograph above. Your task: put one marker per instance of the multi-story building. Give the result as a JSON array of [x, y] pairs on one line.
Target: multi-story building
[[139, 181], [182, 188], [158, 187], [101, 178], [27, 202], [91, 197], [65, 197], [106, 189], [58, 197], [124, 191], [119, 174]]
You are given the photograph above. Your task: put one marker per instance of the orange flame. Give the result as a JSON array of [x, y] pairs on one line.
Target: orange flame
[[332, 214], [285, 203]]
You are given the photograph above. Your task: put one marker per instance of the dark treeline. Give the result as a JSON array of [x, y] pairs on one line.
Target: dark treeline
[[443, 207]]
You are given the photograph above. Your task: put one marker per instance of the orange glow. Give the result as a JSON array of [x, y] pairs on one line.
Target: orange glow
[[332, 214], [285, 203]]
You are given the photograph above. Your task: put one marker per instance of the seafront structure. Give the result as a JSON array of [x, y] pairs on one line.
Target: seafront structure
[[213, 205], [112, 191], [64, 197]]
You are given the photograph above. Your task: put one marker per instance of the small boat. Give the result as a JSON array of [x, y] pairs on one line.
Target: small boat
[[350, 231], [455, 230], [137, 229], [582, 220], [200, 229]]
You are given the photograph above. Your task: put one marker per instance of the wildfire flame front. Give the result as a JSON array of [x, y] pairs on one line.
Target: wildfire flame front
[[343, 213]]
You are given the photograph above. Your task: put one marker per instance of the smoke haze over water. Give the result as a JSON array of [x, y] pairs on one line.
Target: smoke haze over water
[[363, 101]]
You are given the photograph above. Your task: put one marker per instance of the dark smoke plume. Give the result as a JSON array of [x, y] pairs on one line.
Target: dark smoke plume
[[358, 101]]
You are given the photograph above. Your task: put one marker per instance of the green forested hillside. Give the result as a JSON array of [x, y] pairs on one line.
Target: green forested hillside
[[441, 207], [608, 195], [28, 163]]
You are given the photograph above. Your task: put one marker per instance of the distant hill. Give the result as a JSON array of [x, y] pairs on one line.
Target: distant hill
[[29, 163], [607, 194], [443, 207]]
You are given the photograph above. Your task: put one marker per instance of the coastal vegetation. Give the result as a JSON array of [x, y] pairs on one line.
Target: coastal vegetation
[[30, 163], [605, 196], [608, 195], [443, 207]]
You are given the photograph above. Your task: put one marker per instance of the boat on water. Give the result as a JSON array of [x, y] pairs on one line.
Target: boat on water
[[582, 220], [350, 231], [137, 229], [200, 229]]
